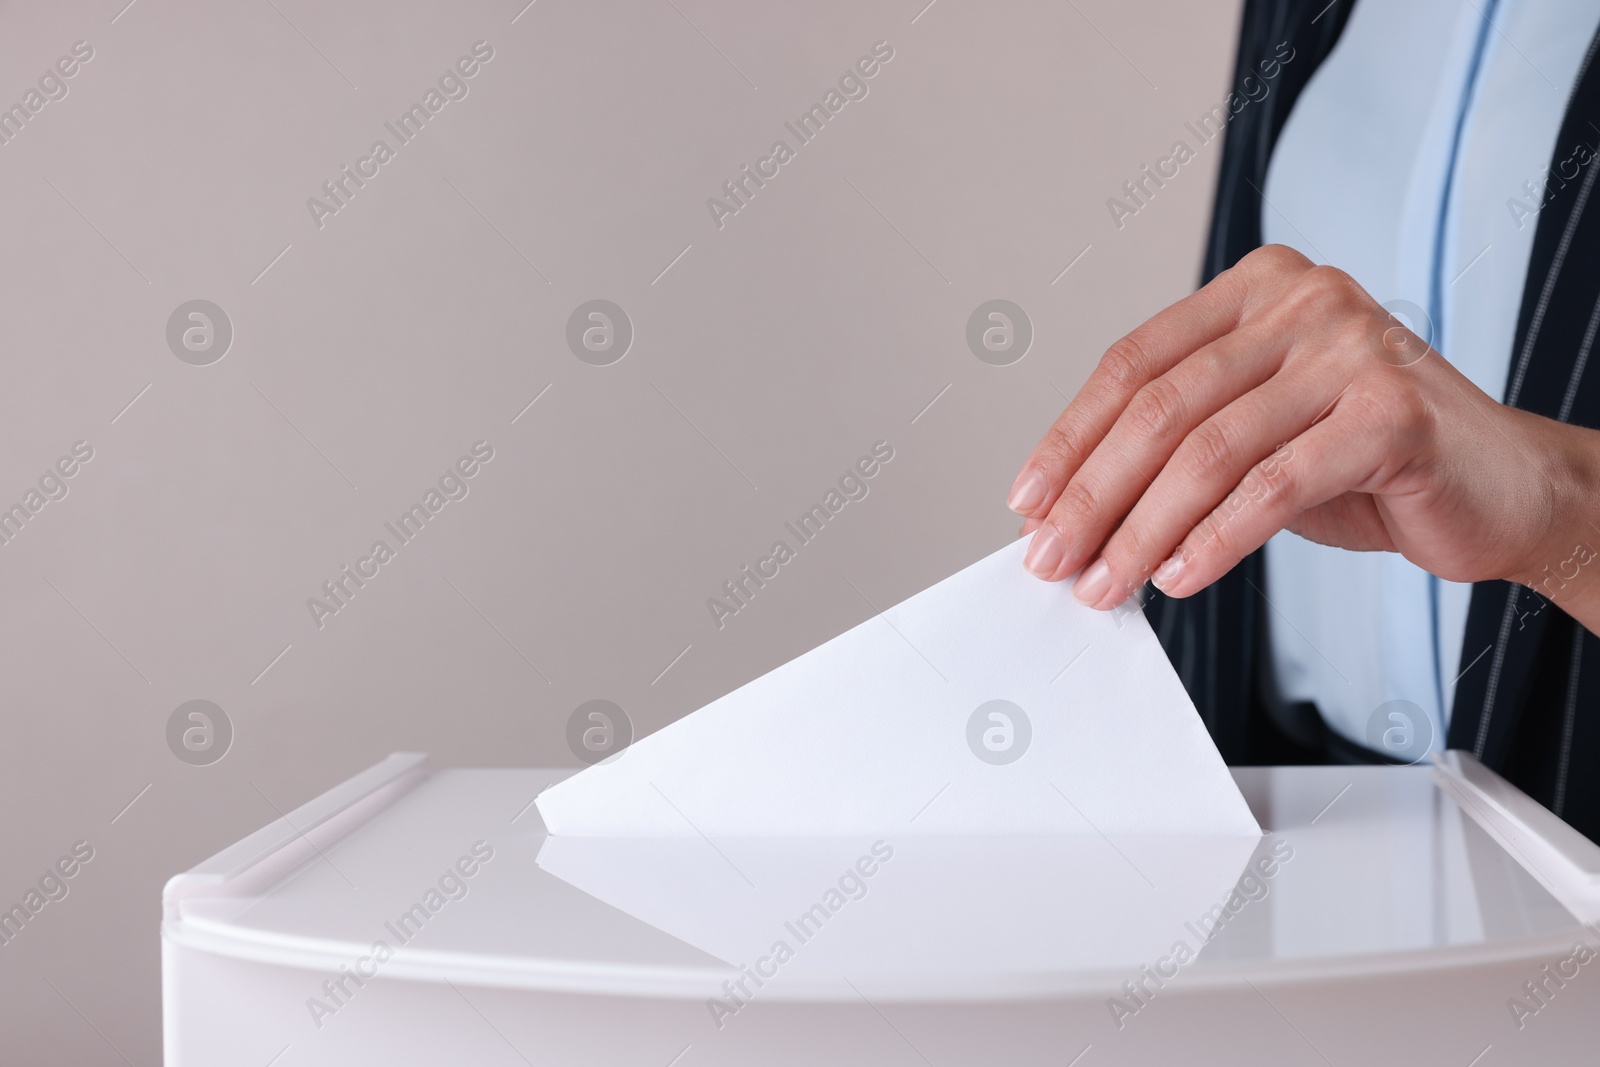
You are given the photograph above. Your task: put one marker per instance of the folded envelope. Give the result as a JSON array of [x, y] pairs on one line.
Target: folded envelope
[[991, 704]]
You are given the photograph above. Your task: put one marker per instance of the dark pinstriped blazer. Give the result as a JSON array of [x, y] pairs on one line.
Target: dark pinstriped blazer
[[1528, 704]]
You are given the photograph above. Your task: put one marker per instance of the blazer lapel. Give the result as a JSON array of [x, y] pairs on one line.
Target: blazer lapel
[[1509, 626]]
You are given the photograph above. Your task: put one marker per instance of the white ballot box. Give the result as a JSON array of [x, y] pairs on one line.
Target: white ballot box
[[1428, 914]]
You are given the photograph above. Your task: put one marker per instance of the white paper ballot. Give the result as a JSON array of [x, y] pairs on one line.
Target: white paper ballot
[[989, 704], [1003, 907]]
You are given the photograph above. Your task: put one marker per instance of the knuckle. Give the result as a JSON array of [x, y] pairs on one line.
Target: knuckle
[[1207, 452], [1125, 366], [1278, 484], [1326, 276], [1064, 440], [1327, 288], [1211, 362], [1076, 505], [1157, 409], [1275, 259], [1127, 553], [1359, 335], [1071, 442]]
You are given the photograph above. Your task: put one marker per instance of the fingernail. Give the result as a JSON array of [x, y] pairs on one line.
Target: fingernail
[[1168, 572], [1027, 492], [1093, 583], [1044, 552]]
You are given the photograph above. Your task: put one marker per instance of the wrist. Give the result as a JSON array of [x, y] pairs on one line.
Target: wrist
[[1563, 565]]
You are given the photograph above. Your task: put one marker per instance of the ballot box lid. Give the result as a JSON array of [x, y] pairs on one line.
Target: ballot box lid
[[448, 875]]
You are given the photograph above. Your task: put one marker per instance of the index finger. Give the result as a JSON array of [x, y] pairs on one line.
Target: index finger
[[1151, 350]]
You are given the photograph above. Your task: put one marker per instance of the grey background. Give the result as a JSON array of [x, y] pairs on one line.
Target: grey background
[[767, 359]]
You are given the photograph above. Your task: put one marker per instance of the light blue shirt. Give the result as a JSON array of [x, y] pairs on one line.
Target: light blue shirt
[[1415, 160]]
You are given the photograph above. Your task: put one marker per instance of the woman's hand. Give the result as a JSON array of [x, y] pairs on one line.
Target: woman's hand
[[1282, 396]]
